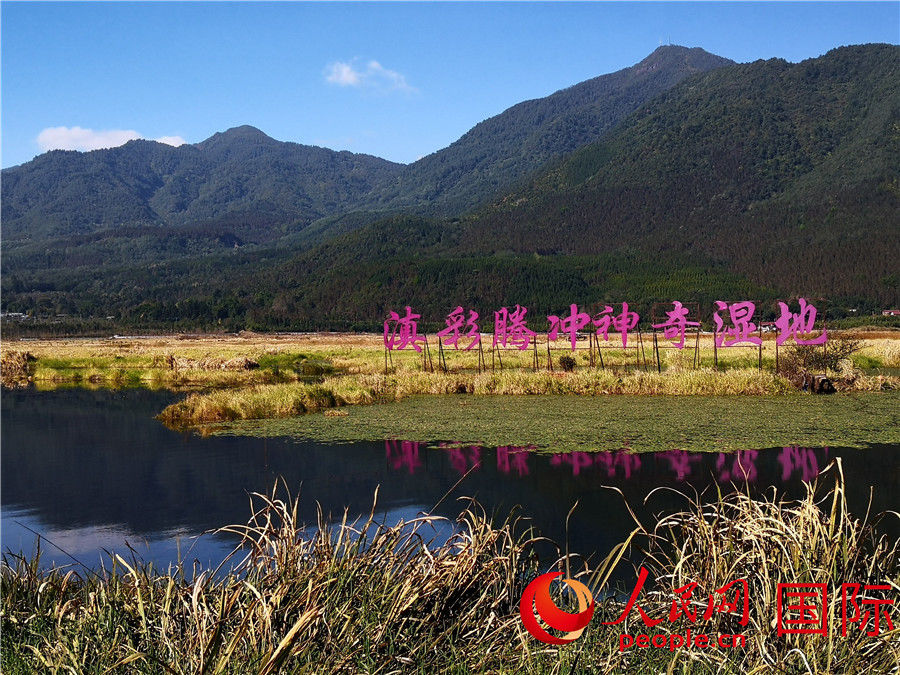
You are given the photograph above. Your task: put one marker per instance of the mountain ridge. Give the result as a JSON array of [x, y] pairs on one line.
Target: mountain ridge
[[524, 136], [746, 180], [146, 182]]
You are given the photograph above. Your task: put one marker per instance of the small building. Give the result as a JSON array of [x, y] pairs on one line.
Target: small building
[[890, 312]]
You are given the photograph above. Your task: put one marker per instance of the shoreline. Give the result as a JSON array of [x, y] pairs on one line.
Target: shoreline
[[324, 383], [453, 607]]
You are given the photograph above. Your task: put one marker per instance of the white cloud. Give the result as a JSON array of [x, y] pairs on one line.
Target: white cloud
[[171, 140], [342, 74], [77, 138], [373, 75]]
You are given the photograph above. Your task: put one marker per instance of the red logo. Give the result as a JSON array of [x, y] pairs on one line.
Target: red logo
[[537, 597], [802, 609]]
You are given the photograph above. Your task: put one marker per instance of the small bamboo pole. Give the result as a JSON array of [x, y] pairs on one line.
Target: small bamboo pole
[[643, 355]]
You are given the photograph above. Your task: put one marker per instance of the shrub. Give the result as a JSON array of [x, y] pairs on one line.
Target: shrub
[[800, 361]]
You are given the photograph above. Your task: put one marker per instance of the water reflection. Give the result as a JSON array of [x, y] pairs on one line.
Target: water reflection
[[92, 469], [796, 463]]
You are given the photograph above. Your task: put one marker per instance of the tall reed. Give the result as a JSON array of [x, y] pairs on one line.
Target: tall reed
[[365, 597]]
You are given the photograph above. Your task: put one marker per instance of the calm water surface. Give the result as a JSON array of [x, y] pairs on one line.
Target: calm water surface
[[92, 470]]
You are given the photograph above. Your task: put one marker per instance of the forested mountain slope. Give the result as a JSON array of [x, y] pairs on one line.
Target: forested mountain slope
[[507, 147], [790, 173], [239, 171], [759, 181]]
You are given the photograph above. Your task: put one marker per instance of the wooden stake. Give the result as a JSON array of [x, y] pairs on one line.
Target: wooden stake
[[697, 350], [643, 355], [442, 360], [760, 348], [656, 349], [427, 353], [591, 349]]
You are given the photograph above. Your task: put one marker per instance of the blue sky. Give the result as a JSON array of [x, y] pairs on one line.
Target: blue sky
[[394, 80]]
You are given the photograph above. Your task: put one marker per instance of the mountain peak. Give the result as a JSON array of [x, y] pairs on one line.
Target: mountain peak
[[242, 134], [245, 131], [676, 55], [676, 49]]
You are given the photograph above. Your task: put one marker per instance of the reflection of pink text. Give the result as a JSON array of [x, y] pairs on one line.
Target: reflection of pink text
[[610, 462], [463, 459], [739, 466], [512, 459], [403, 455], [799, 460]]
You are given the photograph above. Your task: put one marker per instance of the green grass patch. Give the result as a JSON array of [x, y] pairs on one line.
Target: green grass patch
[[642, 423], [866, 362], [302, 365]]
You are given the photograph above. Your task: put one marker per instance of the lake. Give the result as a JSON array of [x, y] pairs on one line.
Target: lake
[[92, 469]]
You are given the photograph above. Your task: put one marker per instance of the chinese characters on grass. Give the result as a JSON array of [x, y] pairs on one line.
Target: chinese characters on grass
[[728, 601], [803, 609], [733, 325]]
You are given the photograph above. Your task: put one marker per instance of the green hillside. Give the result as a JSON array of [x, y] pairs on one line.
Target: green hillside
[[502, 150], [757, 180], [760, 181], [788, 173], [238, 173], [147, 201]]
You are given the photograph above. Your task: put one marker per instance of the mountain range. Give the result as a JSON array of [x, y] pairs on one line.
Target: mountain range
[[684, 174]]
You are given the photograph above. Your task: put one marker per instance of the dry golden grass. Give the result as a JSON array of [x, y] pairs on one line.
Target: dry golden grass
[[303, 372], [885, 350], [361, 597], [363, 353], [265, 401]]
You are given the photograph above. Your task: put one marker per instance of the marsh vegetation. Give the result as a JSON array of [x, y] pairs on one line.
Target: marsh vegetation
[[360, 596], [255, 377]]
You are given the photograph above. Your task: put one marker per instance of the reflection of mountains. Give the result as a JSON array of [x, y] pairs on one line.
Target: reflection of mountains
[[81, 458]]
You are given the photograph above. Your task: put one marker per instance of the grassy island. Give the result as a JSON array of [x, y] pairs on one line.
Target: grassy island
[[703, 399]]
